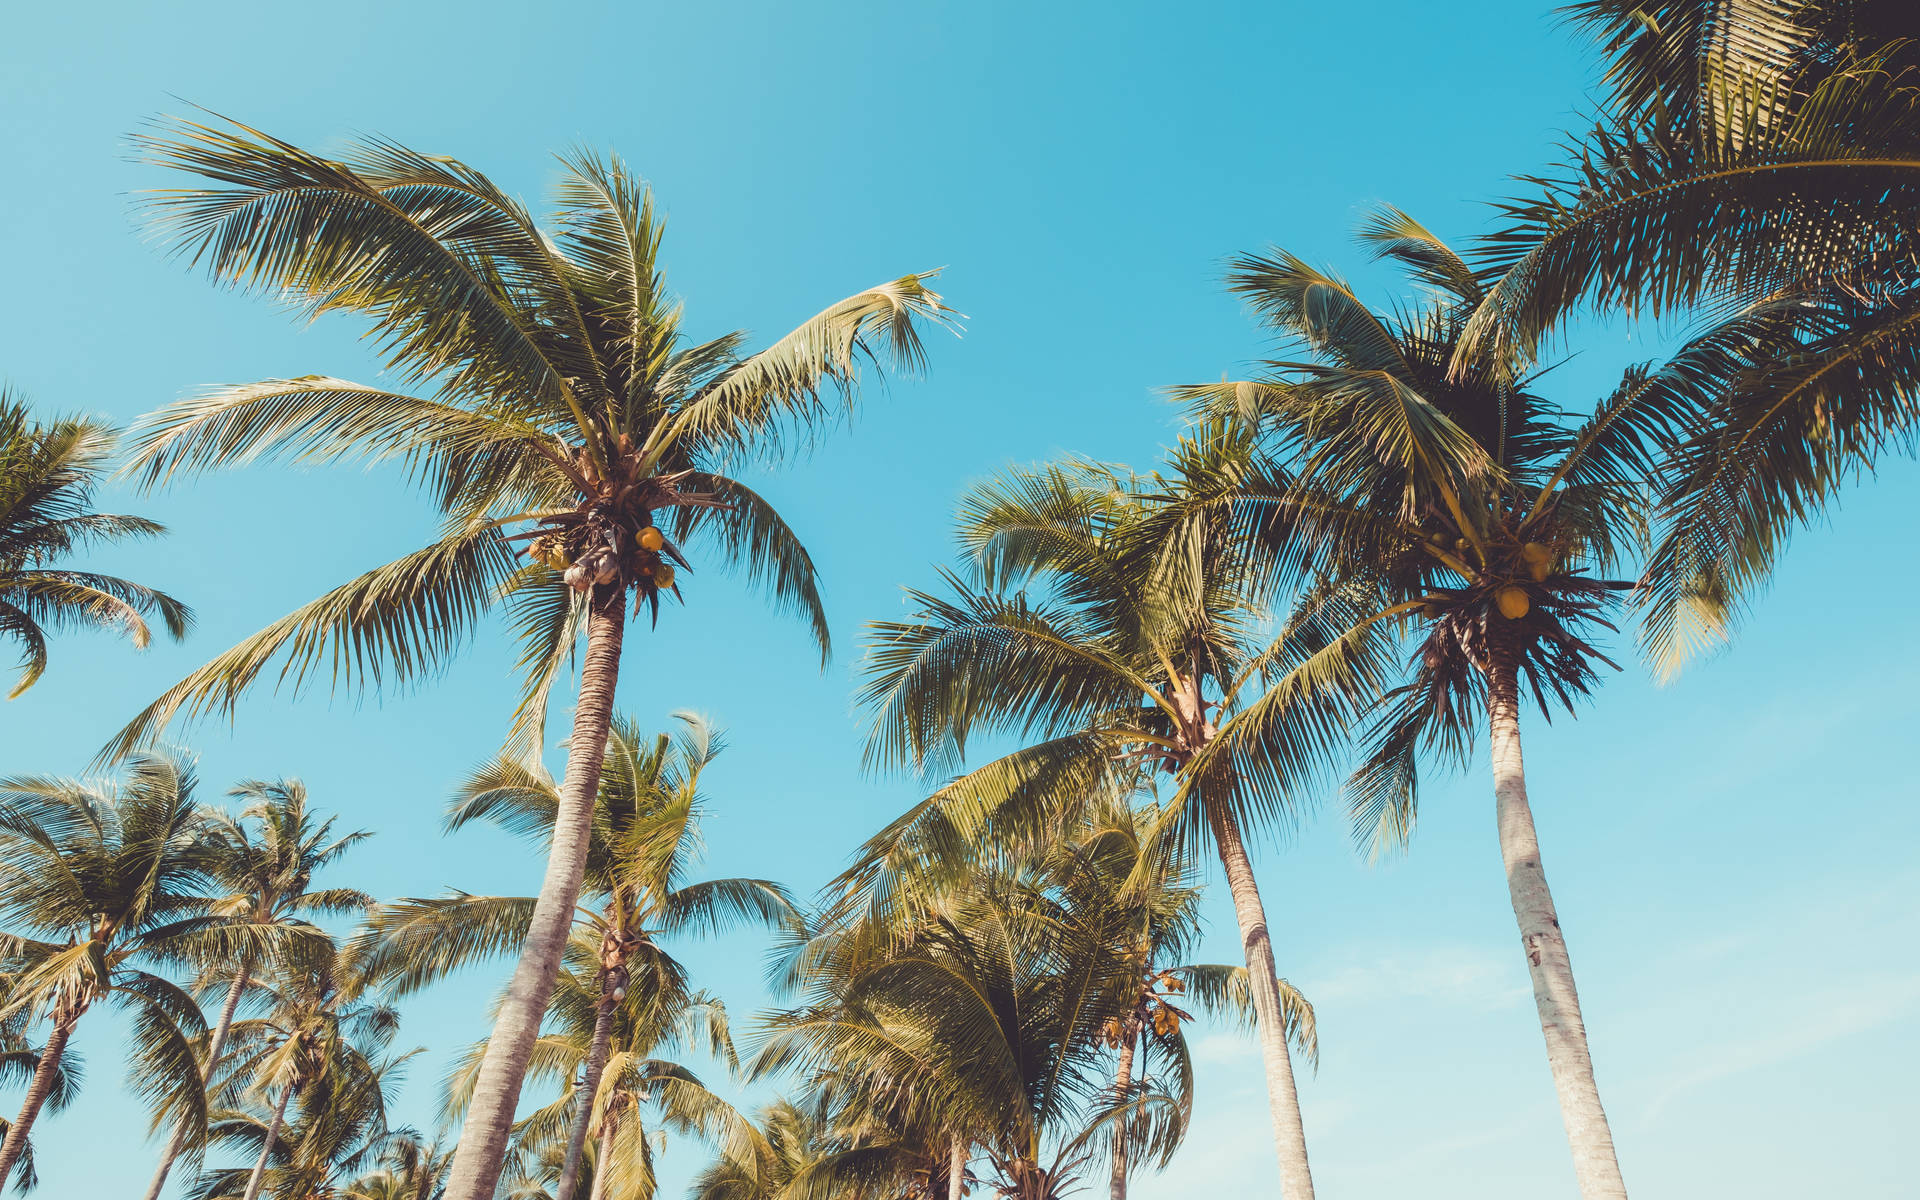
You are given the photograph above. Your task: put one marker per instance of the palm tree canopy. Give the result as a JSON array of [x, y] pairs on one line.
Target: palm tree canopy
[[47, 475], [1468, 509], [1760, 165], [564, 407]]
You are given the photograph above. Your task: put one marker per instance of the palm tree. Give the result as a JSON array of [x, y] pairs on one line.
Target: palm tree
[[645, 1022], [644, 839], [566, 405], [799, 1144], [1759, 164], [19, 1063], [981, 1024], [1483, 521], [314, 1065], [1113, 621], [99, 884], [411, 1168], [265, 859], [47, 477]]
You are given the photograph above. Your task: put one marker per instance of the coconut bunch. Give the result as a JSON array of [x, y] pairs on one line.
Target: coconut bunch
[[595, 548]]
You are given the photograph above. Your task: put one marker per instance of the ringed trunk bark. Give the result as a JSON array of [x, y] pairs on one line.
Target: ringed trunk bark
[[1595, 1165], [584, 1094], [215, 1045], [483, 1138], [1289, 1134], [1122, 1087], [266, 1148], [957, 1170], [50, 1056]]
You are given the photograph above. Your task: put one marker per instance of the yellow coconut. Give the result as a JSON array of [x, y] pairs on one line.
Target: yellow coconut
[[1535, 552], [1513, 601], [663, 577], [651, 540], [1540, 570]]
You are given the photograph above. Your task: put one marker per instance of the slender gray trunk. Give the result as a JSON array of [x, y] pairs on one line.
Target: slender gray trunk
[[266, 1148], [215, 1045], [37, 1090], [583, 1097], [483, 1138], [601, 1166], [1123, 1089], [1283, 1100], [957, 1169], [1595, 1165]]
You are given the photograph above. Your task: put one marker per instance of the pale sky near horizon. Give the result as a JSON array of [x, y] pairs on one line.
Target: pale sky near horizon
[[1732, 854]]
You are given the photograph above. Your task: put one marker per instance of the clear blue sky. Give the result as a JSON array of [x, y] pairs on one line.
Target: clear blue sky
[[1732, 854]]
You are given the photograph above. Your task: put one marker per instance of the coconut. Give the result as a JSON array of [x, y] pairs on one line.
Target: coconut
[[1540, 570], [652, 539], [577, 578], [1513, 601], [663, 577], [1534, 552]]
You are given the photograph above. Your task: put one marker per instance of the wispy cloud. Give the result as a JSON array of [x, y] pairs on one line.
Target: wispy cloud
[[1467, 976]]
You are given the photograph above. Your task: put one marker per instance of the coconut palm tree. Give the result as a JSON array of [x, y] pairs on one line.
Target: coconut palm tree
[[799, 1142], [981, 1025], [1759, 166], [263, 862], [1484, 521], [101, 882], [19, 1063], [1112, 621], [567, 410], [645, 1022], [315, 1065], [411, 1168], [47, 476], [643, 841]]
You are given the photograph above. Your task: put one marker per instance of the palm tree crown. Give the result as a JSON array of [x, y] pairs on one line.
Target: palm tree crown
[[47, 476]]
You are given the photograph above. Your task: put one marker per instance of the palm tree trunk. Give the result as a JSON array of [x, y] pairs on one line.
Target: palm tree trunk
[[1595, 1165], [957, 1170], [600, 1168], [1122, 1086], [1263, 979], [584, 1094], [37, 1090], [483, 1138], [215, 1045], [266, 1148]]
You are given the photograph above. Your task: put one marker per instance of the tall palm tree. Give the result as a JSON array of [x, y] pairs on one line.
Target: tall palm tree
[[315, 1064], [1110, 620], [47, 476], [1758, 165], [99, 885], [263, 862], [1483, 520], [19, 1063], [567, 411], [643, 842]]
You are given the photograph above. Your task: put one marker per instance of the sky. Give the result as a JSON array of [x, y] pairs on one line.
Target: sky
[[1731, 853]]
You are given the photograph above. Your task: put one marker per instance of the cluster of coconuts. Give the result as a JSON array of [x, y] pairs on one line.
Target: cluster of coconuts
[[600, 562], [1512, 600]]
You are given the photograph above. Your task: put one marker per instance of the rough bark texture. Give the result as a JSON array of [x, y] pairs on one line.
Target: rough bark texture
[[483, 1138], [50, 1055], [1289, 1134], [583, 1096], [1595, 1165], [1122, 1088], [215, 1045], [957, 1170], [266, 1148]]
